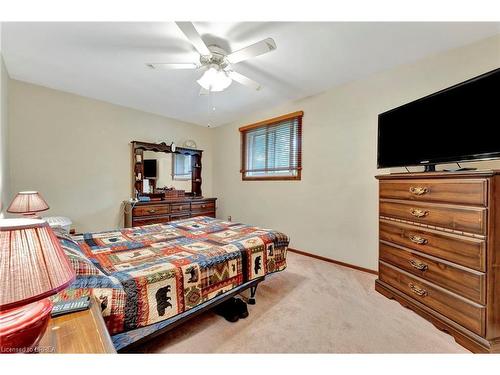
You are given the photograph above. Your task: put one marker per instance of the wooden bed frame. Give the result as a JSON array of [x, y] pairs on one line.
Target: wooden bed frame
[[191, 313]]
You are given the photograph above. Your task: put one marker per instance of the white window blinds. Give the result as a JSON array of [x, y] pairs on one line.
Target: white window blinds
[[272, 149]]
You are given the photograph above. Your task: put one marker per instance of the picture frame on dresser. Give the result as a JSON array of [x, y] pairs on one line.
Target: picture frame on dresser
[[439, 251]]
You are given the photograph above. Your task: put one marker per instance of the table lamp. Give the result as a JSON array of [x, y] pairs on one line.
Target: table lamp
[[28, 203], [33, 266]]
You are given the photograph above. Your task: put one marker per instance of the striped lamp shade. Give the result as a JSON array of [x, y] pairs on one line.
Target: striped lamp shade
[[27, 202], [32, 263]]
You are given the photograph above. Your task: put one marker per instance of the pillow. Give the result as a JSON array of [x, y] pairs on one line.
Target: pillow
[[80, 263], [62, 234]]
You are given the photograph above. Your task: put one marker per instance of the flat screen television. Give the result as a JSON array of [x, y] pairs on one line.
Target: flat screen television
[[456, 124], [149, 168]]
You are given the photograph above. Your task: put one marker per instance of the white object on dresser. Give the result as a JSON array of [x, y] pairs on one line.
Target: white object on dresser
[[145, 186], [59, 222]]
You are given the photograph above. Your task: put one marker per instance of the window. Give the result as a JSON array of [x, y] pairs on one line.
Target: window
[[181, 167], [271, 149]]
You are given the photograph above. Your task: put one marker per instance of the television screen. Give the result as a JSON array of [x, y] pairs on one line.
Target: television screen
[[149, 168], [456, 124]]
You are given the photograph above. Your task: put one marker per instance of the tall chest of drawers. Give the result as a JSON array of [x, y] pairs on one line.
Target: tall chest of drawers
[[439, 251]]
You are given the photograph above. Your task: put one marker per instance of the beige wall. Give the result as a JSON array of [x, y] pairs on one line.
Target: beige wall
[[4, 165], [333, 211], [76, 151]]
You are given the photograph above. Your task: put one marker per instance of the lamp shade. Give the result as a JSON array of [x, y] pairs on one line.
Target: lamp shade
[[215, 79], [26, 202], [32, 263]]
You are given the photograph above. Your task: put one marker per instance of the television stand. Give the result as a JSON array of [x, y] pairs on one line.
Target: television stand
[[432, 225]]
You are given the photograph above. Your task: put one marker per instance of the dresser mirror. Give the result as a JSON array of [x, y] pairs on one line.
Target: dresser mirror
[[167, 170], [161, 172]]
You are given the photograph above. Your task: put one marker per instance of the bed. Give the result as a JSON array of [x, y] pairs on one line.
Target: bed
[[153, 277]]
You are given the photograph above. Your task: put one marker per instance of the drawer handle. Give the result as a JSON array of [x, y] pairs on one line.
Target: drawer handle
[[418, 240], [152, 211], [203, 205], [417, 290], [418, 190], [418, 265], [417, 212]]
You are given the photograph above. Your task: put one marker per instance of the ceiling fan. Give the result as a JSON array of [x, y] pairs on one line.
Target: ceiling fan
[[216, 62]]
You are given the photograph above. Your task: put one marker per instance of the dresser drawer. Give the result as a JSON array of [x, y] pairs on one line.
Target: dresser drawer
[[466, 251], [203, 206], [467, 283], [150, 210], [459, 218], [468, 314], [460, 191], [179, 207]]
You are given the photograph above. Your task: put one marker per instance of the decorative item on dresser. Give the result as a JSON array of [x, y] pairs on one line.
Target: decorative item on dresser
[[439, 251], [144, 213]]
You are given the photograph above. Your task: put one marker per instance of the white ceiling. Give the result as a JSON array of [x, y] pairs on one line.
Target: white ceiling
[[106, 61]]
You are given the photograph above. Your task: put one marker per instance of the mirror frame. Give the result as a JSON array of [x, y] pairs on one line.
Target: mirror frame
[[138, 149]]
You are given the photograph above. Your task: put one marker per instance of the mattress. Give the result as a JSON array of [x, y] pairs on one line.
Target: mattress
[[144, 275]]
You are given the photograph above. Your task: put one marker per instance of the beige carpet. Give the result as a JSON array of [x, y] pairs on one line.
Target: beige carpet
[[311, 307]]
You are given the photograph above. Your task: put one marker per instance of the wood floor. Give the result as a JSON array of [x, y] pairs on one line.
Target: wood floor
[[311, 307]]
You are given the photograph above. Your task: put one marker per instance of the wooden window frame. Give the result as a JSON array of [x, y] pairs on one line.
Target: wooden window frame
[[262, 124]]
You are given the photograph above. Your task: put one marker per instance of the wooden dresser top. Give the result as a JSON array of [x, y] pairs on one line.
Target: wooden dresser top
[[173, 201], [440, 174]]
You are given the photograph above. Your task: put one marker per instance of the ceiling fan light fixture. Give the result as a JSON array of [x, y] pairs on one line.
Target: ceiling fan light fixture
[[217, 62], [215, 79]]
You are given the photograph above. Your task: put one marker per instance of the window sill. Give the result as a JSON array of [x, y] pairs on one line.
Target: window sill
[[272, 178]]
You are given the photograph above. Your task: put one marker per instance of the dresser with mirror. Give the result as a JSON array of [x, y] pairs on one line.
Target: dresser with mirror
[[166, 185]]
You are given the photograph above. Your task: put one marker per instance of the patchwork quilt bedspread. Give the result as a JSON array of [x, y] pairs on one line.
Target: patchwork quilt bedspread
[[147, 274]]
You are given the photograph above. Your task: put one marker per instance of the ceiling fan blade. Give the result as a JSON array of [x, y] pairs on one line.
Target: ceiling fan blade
[[194, 37], [245, 81], [172, 65], [259, 48], [204, 91]]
